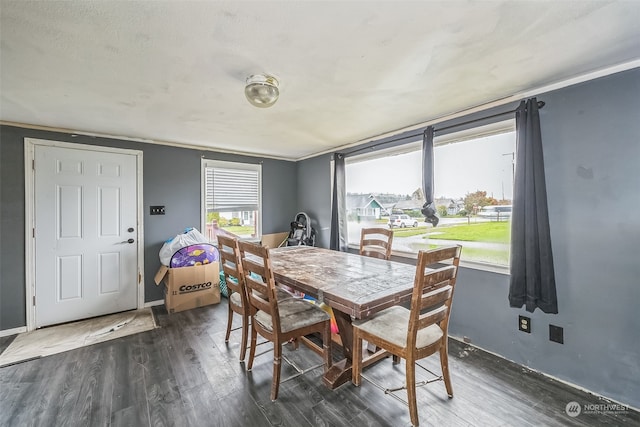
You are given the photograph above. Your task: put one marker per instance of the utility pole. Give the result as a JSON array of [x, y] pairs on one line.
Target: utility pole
[[513, 171]]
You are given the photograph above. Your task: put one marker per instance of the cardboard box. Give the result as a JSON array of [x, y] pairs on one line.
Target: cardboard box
[[275, 240], [189, 287]]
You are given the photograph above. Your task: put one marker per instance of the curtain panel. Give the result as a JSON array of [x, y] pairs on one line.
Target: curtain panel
[[338, 239], [429, 208], [532, 282]]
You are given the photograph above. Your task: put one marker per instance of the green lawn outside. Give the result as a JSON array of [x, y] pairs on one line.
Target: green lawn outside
[[494, 232], [240, 230], [491, 232], [411, 231]]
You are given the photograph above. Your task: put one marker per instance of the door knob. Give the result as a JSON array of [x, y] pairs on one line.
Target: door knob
[[128, 241]]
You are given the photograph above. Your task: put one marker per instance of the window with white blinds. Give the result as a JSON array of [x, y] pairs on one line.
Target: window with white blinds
[[233, 189], [232, 197]]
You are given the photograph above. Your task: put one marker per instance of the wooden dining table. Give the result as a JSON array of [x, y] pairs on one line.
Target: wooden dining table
[[354, 286]]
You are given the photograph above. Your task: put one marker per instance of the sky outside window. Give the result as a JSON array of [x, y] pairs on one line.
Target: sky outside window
[[483, 164]]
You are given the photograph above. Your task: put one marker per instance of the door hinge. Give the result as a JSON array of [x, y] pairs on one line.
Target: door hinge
[[34, 300], [33, 164], [33, 232]]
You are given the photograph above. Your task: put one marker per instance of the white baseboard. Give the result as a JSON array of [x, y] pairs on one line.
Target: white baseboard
[[153, 303], [14, 331]]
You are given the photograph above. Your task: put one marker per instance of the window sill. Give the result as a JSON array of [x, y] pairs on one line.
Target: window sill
[[493, 268], [407, 256]]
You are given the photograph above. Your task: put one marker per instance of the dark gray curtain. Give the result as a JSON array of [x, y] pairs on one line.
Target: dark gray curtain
[[338, 239], [429, 208], [532, 282]]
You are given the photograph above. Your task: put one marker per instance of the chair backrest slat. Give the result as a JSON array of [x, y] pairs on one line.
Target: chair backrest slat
[[432, 284], [436, 296], [432, 317], [442, 254], [376, 242]]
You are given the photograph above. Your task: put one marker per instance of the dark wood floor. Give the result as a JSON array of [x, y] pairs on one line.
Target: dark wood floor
[[183, 374]]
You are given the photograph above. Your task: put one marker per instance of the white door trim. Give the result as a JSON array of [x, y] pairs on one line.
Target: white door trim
[[29, 157]]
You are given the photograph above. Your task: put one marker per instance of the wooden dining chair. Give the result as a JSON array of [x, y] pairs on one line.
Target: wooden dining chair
[[238, 301], [376, 242], [279, 321], [413, 333]]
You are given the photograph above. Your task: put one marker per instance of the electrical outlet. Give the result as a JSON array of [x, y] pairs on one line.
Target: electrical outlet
[[556, 334], [156, 210], [524, 324]]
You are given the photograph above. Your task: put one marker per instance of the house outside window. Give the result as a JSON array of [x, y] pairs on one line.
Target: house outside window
[[231, 198], [473, 175], [363, 207]]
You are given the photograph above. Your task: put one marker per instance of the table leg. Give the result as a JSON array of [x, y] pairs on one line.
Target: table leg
[[340, 372], [345, 329]]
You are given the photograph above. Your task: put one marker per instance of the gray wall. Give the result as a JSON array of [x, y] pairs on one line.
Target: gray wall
[[171, 177], [314, 195], [591, 143]]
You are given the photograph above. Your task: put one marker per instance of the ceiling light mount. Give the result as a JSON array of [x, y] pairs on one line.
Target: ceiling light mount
[[262, 90]]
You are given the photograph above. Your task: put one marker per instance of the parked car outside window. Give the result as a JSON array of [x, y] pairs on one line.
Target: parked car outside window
[[402, 221], [496, 212]]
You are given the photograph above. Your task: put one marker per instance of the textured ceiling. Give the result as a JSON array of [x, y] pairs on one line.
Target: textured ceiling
[[174, 71]]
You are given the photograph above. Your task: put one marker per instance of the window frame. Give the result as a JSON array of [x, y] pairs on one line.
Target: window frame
[[229, 165], [452, 137]]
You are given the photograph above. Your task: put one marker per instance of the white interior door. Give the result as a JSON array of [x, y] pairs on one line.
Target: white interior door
[[85, 233]]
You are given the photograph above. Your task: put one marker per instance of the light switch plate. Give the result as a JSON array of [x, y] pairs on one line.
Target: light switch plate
[[156, 210]]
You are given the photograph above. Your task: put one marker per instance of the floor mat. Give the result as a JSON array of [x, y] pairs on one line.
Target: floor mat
[[69, 336]]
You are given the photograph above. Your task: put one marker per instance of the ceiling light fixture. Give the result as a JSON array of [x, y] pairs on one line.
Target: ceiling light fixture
[[262, 90]]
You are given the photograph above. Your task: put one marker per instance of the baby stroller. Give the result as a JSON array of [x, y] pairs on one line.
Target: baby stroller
[[302, 233]]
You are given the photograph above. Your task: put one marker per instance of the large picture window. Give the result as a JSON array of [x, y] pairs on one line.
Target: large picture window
[[231, 198], [473, 190]]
